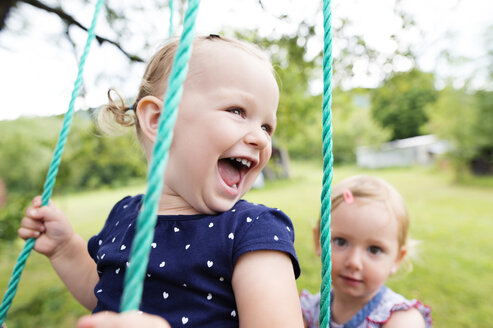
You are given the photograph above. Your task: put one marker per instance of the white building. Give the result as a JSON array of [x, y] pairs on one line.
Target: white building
[[421, 150]]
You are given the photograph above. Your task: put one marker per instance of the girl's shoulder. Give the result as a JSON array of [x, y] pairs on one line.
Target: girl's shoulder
[[258, 227], [392, 302]]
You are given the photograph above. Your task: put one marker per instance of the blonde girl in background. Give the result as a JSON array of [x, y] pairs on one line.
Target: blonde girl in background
[[369, 228], [216, 260]]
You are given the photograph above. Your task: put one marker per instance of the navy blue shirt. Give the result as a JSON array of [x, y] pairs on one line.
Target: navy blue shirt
[[188, 279]]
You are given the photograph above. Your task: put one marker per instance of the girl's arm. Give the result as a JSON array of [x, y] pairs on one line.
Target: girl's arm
[[265, 290], [77, 270], [406, 319], [122, 320]]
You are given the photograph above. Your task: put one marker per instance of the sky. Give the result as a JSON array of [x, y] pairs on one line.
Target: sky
[[38, 68]]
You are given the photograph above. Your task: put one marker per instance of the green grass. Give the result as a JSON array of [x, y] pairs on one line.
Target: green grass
[[453, 273]]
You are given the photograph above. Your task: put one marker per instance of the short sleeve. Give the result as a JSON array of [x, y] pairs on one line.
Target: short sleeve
[[393, 302], [267, 229], [110, 224]]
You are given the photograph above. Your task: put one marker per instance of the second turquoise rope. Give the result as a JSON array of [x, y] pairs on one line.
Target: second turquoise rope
[[327, 168]]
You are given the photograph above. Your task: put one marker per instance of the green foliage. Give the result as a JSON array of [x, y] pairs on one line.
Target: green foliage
[[25, 160], [93, 161], [399, 104], [353, 125], [298, 115], [485, 128], [89, 161], [466, 121], [50, 307]]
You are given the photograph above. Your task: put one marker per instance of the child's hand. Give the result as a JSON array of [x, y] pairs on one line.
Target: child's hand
[[123, 320], [49, 225]]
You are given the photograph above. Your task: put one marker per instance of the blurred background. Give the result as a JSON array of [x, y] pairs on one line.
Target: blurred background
[[412, 103]]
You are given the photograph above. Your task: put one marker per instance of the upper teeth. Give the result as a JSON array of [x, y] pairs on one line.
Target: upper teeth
[[243, 161]]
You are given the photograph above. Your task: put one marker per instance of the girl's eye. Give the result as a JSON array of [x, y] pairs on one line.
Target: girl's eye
[[237, 111], [339, 242], [267, 128], [374, 250]]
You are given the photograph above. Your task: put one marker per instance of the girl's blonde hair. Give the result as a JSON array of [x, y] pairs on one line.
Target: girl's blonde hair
[[375, 189], [154, 81]]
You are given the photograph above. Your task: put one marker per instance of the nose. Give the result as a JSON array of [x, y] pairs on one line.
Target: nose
[[257, 138], [354, 260]]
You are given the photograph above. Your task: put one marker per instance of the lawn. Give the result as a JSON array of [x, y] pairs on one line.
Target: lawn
[[452, 270]]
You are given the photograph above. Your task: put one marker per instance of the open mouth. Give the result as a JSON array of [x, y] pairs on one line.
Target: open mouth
[[233, 169]]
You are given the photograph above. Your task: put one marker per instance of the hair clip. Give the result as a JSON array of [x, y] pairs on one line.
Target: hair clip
[[348, 196]]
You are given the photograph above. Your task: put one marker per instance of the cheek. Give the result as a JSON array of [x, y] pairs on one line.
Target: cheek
[[266, 154]]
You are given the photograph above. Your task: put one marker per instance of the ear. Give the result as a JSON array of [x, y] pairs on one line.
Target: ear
[[316, 240], [148, 112], [400, 256]]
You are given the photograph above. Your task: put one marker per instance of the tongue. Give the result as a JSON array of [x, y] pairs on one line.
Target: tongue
[[229, 173]]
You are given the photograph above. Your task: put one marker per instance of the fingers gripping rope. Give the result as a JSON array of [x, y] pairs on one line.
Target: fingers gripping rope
[[52, 171]]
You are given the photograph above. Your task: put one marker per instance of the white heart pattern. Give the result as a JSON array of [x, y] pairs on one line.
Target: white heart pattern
[[184, 320], [165, 295], [249, 219], [209, 263], [123, 247], [187, 246], [153, 245], [209, 296], [117, 271], [162, 264], [231, 236], [211, 225], [100, 242], [233, 313], [176, 229], [276, 238]]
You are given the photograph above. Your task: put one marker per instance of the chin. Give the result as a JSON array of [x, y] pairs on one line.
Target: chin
[[219, 206]]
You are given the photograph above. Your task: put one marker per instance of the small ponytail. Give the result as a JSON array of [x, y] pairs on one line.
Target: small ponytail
[[115, 115]]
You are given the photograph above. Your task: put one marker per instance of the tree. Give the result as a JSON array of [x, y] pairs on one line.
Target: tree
[[114, 16], [298, 116], [351, 45], [454, 117], [89, 161], [353, 125], [483, 161], [400, 102]]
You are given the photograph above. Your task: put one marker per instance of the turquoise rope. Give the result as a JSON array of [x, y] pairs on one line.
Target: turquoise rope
[[327, 167], [141, 245], [171, 12], [52, 172]]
